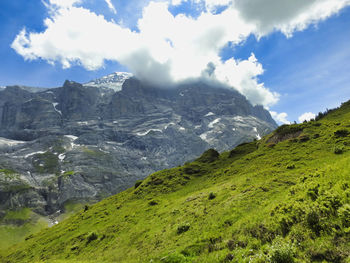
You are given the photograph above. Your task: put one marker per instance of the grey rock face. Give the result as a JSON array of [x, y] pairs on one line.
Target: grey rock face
[[86, 142]]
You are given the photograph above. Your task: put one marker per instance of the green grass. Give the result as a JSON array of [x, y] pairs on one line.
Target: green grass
[[285, 198], [11, 235], [21, 214], [17, 224]]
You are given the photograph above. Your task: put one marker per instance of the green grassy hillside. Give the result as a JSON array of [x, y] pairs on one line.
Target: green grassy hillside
[[284, 198]]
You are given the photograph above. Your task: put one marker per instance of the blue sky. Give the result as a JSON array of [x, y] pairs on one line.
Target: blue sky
[[302, 63]]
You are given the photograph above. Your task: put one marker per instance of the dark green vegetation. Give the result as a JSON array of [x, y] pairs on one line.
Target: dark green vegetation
[[285, 198]]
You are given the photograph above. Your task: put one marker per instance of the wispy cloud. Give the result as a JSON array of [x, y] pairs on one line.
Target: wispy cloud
[[111, 6]]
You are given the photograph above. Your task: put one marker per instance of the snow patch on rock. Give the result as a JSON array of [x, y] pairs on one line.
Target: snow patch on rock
[[8, 142], [54, 104], [209, 114], [148, 131], [211, 124]]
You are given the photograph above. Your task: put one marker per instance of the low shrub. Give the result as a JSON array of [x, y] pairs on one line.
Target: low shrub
[[74, 247], [183, 228], [304, 138], [290, 166], [209, 156], [153, 202], [281, 252], [344, 214], [243, 148], [193, 250], [192, 169], [229, 257], [91, 237], [261, 232], [312, 192], [341, 133], [285, 224], [329, 203], [288, 129], [233, 244], [174, 258], [325, 254], [313, 221], [338, 149], [138, 183], [211, 196], [155, 181]]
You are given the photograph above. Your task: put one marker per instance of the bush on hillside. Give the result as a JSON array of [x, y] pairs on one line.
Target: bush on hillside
[[243, 148], [287, 129], [304, 138], [192, 169], [174, 258], [281, 252], [91, 237], [209, 156], [229, 257], [183, 228], [312, 192], [313, 221], [211, 196], [344, 214], [290, 166], [321, 115], [138, 183], [193, 250], [153, 203], [341, 133], [338, 149]]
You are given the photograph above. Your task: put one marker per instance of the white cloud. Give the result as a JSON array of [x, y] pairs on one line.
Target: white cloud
[[170, 48], [176, 2], [111, 6], [243, 76], [285, 15], [306, 116], [76, 35], [280, 117]]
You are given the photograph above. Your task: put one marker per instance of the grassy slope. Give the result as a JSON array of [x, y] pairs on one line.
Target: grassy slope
[[17, 224], [270, 200]]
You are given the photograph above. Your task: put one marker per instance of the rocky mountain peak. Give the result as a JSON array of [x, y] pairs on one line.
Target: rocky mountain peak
[[72, 84], [112, 81]]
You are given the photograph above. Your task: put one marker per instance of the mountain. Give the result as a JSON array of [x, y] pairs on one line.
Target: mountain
[[113, 81], [86, 142], [284, 198]]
